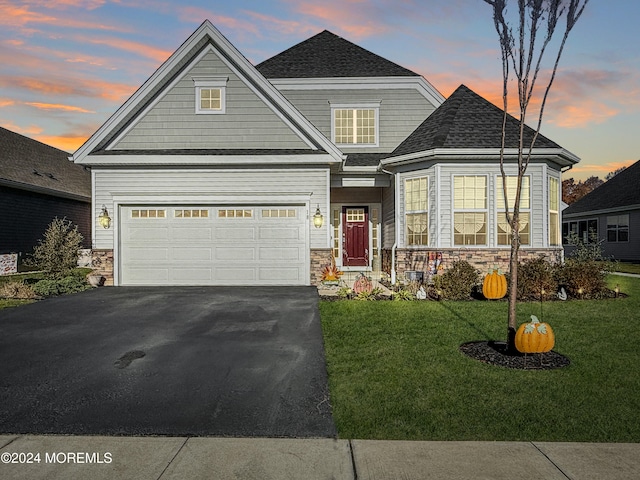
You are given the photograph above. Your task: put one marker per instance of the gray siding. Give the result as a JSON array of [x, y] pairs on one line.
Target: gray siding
[[401, 111], [623, 251], [441, 202], [200, 186], [26, 215], [388, 216], [173, 124]]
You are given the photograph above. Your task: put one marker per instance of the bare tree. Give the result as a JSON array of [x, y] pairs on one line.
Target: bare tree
[[523, 44]]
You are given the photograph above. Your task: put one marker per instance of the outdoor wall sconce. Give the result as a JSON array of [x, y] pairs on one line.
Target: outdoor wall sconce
[[318, 220], [104, 218]]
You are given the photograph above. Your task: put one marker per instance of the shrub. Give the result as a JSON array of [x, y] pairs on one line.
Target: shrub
[[583, 273], [457, 282], [534, 276], [63, 286], [583, 279], [57, 253], [17, 290]]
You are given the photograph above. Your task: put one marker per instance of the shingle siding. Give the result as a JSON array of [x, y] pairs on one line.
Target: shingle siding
[[400, 113], [247, 123]]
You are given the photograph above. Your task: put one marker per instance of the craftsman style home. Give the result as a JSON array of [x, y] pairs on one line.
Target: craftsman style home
[[219, 172]]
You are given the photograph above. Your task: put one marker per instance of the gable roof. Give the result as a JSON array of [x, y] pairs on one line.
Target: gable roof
[[205, 37], [327, 55], [31, 165], [623, 190]]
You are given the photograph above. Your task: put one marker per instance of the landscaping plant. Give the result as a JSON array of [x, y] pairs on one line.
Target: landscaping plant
[[57, 253], [457, 282]]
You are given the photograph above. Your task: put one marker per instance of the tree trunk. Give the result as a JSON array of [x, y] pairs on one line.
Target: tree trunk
[[513, 286]]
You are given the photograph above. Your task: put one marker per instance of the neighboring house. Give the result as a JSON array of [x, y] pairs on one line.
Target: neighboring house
[[611, 213], [213, 171], [37, 184]]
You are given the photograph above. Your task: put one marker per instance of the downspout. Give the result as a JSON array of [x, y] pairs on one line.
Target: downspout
[[395, 230]]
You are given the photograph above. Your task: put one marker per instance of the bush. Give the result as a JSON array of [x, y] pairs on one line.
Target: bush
[[583, 273], [17, 290], [57, 253], [457, 282], [534, 276], [63, 286], [583, 279]]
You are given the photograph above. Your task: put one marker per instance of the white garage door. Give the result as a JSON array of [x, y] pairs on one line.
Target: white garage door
[[213, 245]]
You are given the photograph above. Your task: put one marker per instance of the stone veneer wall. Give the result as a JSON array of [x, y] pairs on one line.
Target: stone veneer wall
[[319, 258], [102, 263], [481, 258]]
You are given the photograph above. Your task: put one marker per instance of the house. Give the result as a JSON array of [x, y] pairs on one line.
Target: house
[[37, 184], [611, 213], [217, 171]]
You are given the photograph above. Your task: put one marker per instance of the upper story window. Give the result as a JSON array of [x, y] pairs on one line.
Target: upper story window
[[470, 210], [355, 125], [504, 229], [210, 95]]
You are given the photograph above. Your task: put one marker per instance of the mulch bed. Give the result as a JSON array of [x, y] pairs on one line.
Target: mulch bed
[[494, 353]]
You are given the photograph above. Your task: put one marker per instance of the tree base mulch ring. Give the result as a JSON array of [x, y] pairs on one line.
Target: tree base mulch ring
[[494, 353]]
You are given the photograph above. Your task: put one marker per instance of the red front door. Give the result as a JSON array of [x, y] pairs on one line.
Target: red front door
[[355, 237]]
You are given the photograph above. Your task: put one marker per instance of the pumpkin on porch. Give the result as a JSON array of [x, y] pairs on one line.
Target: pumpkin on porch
[[534, 337], [494, 285]]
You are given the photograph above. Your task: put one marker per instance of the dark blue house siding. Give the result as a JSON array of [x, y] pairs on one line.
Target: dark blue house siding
[[24, 216]]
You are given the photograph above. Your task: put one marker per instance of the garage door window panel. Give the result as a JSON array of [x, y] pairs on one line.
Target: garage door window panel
[[148, 213], [235, 213]]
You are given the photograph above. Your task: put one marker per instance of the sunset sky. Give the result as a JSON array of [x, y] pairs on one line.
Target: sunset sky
[[67, 65]]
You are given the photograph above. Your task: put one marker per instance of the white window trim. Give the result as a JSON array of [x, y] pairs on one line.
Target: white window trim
[[558, 212], [455, 210], [409, 212], [203, 83], [498, 212], [375, 106]]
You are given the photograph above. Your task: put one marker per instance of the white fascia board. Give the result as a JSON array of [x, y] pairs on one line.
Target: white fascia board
[[558, 155], [160, 159], [206, 28], [360, 168], [133, 101], [360, 83]]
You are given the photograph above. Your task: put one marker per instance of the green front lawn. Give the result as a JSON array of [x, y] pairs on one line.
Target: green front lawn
[[395, 371]]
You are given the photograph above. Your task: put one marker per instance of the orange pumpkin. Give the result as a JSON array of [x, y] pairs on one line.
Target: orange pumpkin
[[535, 337], [494, 285]]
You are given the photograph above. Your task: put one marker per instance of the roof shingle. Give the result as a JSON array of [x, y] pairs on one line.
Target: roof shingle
[[621, 191], [327, 55], [27, 162], [467, 120]]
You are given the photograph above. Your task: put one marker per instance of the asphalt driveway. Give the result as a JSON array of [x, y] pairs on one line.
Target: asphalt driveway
[[181, 361]]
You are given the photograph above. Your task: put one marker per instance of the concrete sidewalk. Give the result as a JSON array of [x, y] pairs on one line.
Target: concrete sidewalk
[[154, 458]]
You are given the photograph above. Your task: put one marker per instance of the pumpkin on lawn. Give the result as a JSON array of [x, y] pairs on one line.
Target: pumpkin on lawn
[[534, 337], [494, 285]]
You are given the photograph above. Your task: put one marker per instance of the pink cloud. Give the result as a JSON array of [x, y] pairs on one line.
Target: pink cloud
[[598, 170], [20, 16], [57, 107], [28, 131], [66, 86], [141, 49]]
